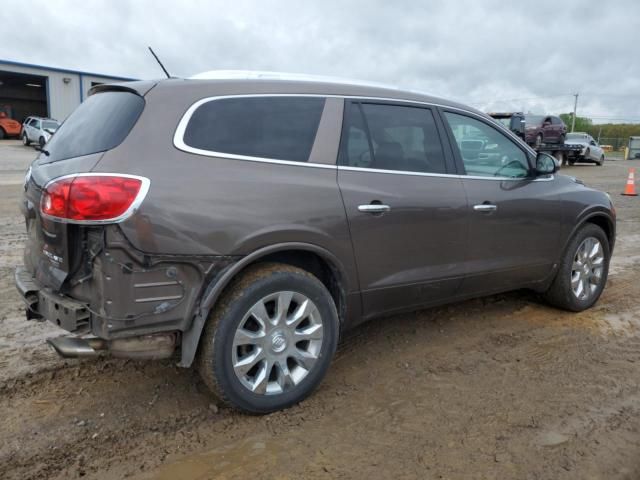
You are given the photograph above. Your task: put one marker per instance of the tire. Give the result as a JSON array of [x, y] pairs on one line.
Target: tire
[[562, 292], [538, 141], [601, 162], [561, 139], [560, 158], [587, 154], [41, 142], [2, 134], [232, 318], [25, 140]]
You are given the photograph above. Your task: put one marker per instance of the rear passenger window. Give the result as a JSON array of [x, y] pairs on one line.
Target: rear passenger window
[[281, 128], [392, 137]]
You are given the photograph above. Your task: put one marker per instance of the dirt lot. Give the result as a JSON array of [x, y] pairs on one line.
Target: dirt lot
[[502, 387]]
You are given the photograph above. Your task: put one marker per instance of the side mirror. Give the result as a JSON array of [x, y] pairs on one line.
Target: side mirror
[[546, 164]]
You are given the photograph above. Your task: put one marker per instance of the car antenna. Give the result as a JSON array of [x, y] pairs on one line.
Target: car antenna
[[159, 62]]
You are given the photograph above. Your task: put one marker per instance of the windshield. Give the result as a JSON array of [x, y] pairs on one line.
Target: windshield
[[533, 119], [576, 136], [99, 124], [49, 125]]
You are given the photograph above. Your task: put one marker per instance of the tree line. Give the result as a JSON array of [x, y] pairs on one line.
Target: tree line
[[602, 130]]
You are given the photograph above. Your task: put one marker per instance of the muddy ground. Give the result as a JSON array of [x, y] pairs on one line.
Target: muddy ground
[[502, 387]]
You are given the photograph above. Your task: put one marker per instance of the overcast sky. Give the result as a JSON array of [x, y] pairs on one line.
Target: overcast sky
[[494, 55]]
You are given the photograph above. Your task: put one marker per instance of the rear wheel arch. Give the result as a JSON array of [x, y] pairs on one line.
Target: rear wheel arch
[[311, 258]]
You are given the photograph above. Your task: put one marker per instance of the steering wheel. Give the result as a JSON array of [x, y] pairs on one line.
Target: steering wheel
[[506, 165], [364, 159]]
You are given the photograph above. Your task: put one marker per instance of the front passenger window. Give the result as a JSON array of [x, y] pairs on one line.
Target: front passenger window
[[485, 151]]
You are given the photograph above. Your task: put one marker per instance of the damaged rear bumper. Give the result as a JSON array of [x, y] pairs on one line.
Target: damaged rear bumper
[[41, 303]]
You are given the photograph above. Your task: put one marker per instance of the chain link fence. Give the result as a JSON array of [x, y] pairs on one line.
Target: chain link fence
[[617, 144]]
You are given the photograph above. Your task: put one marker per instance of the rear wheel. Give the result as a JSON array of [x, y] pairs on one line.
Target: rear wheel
[[41, 141], [25, 140], [2, 134], [601, 162], [583, 271], [269, 342]]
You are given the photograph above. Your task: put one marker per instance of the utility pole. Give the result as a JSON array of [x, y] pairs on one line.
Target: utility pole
[[575, 107]]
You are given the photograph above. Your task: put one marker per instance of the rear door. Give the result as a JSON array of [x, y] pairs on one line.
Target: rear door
[[514, 217], [406, 210]]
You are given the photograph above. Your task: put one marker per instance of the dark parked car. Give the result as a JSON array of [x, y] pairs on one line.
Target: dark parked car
[[544, 129], [246, 223]]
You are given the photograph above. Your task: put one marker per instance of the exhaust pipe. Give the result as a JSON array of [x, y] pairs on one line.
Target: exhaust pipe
[[73, 347], [146, 347]]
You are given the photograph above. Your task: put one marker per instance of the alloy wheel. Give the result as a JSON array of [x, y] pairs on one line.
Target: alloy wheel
[[277, 343], [587, 269]]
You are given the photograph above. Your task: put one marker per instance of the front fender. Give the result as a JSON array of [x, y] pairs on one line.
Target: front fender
[[589, 214]]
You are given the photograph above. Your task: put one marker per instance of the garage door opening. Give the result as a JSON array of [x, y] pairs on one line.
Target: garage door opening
[[23, 95]]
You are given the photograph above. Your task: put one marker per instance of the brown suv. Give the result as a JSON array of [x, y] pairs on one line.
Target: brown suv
[[246, 223]]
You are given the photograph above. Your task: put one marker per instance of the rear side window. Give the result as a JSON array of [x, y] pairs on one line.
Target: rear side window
[[280, 128], [99, 124]]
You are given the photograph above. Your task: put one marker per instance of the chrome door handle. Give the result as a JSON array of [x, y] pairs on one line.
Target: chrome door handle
[[374, 208], [485, 207]]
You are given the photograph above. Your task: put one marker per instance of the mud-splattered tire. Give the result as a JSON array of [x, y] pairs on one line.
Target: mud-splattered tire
[[562, 292], [281, 314]]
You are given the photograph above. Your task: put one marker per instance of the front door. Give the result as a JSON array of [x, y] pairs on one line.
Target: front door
[[515, 218], [406, 210]]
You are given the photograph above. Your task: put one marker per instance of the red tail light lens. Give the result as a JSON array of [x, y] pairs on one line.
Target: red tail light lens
[[93, 198]]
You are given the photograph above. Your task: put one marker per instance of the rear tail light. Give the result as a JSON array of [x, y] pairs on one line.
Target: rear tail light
[[93, 197]]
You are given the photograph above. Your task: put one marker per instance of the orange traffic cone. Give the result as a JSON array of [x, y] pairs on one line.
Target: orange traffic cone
[[630, 187]]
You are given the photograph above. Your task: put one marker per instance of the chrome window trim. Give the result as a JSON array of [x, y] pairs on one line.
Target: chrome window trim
[[443, 175], [133, 208], [178, 136]]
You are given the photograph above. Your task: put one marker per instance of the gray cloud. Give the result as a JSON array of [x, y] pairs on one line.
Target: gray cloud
[[493, 54]]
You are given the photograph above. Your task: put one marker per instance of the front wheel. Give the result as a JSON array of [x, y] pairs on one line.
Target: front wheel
[[25, 140], [538, 141], [269, 342], [601, 162], [583, 271]]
